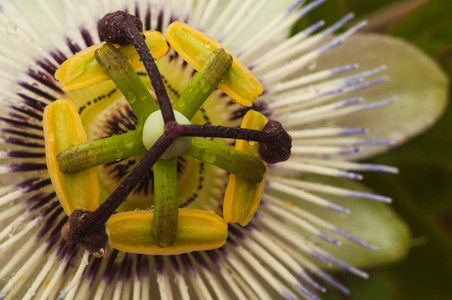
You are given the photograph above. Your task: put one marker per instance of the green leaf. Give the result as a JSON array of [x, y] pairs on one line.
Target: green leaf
[[382, 15], [422, 197], [418, 82], [427, 271], [364, 7], [376, 288], [429, 27]]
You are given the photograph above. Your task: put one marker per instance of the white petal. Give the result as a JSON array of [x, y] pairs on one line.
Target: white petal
[[269, 11], [416, 80]]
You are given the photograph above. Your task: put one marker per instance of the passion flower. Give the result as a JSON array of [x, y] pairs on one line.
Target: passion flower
[[273, 254]]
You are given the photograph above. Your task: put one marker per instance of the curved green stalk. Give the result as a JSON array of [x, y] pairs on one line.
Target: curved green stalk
[[205, 81], [164, 224], [118, 68], [233, 161], [100, 152]]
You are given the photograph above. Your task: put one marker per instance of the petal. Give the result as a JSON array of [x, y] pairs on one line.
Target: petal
[[375, 223], [418, 82], [265, 10]]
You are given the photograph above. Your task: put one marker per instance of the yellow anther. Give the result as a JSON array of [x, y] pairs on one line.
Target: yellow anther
[[62, 130], [242, 197], [197, 230], [82, 70], [196, 47]]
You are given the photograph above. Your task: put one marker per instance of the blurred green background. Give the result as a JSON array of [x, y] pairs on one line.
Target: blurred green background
[[422, 192]]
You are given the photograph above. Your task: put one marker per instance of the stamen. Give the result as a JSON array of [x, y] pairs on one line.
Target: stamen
[[82, 70], [196, 47], [63, 129], [242, 198], [198, 230]]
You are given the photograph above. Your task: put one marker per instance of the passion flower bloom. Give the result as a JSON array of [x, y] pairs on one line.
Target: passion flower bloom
[[278, 252]]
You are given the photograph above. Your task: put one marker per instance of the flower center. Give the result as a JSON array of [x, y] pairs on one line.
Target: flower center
[[161, 135], [117, 118]]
